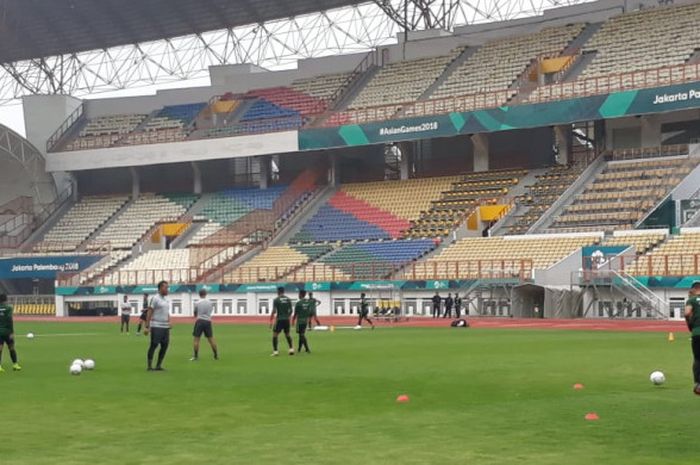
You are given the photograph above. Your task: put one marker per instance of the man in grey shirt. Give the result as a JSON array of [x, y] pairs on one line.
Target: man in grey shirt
[[203, 311], [158, 323]]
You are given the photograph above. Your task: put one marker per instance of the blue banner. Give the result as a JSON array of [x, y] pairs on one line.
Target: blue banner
[[44, 267]]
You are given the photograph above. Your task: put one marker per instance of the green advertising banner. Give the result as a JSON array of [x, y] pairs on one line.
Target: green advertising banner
[[615, 105]]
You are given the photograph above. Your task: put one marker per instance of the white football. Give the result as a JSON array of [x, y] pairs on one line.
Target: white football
[[30, 335], [358, 327], [76, 369], [89, 364], [78, 361], [657, 378]]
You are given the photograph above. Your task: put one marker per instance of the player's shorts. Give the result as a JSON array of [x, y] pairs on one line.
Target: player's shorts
[[282, 326], [6, 338], [125, 318], [142, 316], [203, 327], [364, 314], [301, 328], [160, 336]]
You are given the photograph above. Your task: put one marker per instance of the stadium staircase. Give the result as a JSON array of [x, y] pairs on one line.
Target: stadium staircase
[[578, 186]]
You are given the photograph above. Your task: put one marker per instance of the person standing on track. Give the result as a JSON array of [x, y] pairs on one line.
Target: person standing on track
[[692, 319], [364, 311], [281, 313], [436, 305], [126, 315], [144, 311], [203, 311], [158, 323], [448, 306], [7, 332], [303, 310], [314, 308], [458, 305]]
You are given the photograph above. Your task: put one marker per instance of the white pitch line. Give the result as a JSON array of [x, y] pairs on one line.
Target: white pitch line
[[66, 335]]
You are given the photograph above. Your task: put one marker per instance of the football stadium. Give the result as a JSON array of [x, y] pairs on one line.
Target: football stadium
[[324, 232]]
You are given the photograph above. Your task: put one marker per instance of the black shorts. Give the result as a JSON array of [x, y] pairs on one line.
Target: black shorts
[[142, 316], [125, 318], [7, 339], [203, 327], [282, 326], [160, 336], [301, 328]]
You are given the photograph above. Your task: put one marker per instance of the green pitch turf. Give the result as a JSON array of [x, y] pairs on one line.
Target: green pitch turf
[[477, 397]]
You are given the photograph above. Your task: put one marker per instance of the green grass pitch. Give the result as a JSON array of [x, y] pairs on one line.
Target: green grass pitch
[[477, 397]]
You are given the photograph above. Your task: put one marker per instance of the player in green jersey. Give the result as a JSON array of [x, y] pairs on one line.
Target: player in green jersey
[[314, 307], [303, 311], [692, 318], [364, 311], [7, 332], [281, 313]]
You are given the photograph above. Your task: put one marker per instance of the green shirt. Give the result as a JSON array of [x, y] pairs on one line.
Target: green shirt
[[364, 306], [283, 307], [7, 326], [303, 311], [694, 302]]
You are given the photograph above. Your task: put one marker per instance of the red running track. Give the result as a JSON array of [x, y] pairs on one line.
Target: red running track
[[476, 322]]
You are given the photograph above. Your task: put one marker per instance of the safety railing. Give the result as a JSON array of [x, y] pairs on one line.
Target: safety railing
[[68, 124]]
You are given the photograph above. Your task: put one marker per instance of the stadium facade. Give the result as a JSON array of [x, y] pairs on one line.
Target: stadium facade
[[543, 163]]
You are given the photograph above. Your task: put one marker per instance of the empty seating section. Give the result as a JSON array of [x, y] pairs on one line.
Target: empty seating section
[[365, 260], [227, 206], [623, 193], [103, 131], [34, 309], [168, 125], [275, 262], [678, 256], [153, 266], [112, 259], [498, 63], [644, 40], [205, 230], [79, 222], [374, 210], [323, 86], [541, 195], [478, 257], [465, 194], [403, 81], [290, 99], [641, 241], [142, 214]]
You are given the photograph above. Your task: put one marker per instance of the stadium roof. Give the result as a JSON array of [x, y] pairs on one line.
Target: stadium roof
[[41, 28]]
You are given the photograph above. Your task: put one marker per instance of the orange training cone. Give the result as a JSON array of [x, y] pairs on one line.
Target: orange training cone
[[402, 399], [578, 386], [592, 416]]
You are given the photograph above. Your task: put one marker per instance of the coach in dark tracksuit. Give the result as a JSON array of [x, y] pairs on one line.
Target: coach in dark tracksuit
[[436, 305], [692, 318], [449, 302], [458, 305]]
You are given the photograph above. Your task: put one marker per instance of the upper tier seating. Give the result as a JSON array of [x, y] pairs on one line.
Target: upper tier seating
[[403, 81], [275, 262], [477, 257], [632, 42], [167, 125], [103, 131], [78, 223], [374, 210], [142, 214], [290, 99], [644, 39], [465, 194], [498, 63], [323, 86], [229, 205], [622, 194], [541, 195], [678, 256], [262, 109]]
